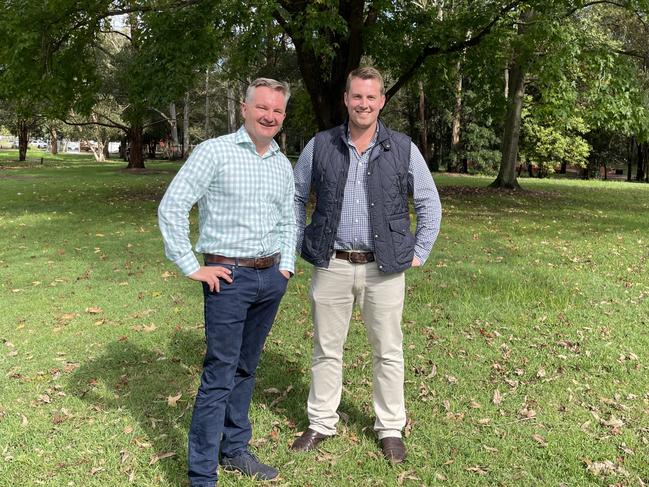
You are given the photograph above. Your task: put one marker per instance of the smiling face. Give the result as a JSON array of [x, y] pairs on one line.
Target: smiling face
[[263, 114], [364, 101]]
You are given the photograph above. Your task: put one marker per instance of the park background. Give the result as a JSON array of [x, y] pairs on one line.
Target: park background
[[525, 332]]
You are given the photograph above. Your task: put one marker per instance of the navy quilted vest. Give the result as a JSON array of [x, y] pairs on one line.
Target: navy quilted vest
[[387, 198]]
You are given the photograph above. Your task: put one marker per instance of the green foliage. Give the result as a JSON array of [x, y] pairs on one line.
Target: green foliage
[[479, 149], [547, 147]]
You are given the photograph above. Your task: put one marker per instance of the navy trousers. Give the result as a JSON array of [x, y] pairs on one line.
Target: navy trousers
[[237, 321]]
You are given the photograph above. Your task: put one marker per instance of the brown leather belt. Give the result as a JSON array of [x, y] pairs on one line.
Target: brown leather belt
[[256, 263], [355, 257]]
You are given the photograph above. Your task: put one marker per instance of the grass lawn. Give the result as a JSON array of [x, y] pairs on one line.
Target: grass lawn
[[526, 341]]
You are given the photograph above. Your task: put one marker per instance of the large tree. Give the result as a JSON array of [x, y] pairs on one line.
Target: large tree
[[52, 53]]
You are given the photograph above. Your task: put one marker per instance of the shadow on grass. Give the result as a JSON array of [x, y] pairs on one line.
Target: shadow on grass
[[280, 371], [137, 382]]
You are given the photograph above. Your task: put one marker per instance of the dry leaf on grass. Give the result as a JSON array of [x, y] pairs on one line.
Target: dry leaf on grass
[[497, 397], [160, 456], [605, 468], [540, 440], [172, 400]]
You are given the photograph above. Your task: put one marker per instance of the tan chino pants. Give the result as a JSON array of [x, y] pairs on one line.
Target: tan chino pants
[[380, 298]]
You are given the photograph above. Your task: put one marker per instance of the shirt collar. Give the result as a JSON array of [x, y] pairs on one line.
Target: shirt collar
[[242, 137], [372, 142]]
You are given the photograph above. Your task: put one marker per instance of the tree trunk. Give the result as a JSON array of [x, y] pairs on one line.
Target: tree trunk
[[640, 168], [186, 127], [206, 129], [507, 173], [456, 124], [282, 141], [98, 151], [54, 141], [23, 140], [123, 151], [325, 81], [423, 125], [506, 178], [106, 153], [173, 121], [232, 108], [135, 156], [563, 168], [629, 157]]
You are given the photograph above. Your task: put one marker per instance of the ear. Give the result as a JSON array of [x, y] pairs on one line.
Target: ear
[[345, 98], [382, 102], [243, 108]]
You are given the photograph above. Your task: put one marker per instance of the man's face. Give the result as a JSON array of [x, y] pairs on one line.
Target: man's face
[[364, 101], [263, 114]]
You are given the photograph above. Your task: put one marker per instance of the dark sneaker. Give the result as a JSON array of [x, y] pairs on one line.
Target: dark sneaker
[[248, 464]]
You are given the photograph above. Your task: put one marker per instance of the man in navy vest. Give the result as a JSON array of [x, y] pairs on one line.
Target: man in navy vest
[[360, 244]]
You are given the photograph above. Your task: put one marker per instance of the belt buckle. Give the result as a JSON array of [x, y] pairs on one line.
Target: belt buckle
[[354, 258]]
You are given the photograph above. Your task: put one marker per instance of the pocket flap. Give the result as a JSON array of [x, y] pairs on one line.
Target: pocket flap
[[401, 225]]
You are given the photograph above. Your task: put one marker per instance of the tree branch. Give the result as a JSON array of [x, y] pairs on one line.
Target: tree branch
[[455, 47]]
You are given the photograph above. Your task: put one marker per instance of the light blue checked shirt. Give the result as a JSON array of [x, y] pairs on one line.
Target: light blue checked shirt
[[354, 232], [245, 203]]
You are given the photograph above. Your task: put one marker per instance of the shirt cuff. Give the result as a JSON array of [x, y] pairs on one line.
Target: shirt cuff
[[188, 263], [421, 256], [287, 263]]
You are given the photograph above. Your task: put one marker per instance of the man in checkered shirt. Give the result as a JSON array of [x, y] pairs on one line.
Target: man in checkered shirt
[[360, 245], [244, 188]]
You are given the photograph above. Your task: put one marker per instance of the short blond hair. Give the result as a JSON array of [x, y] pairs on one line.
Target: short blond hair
[[280, 86], [366, 72]]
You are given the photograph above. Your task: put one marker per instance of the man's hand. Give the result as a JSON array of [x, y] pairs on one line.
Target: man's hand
[[211, 276], [286, 274], [416, 262]]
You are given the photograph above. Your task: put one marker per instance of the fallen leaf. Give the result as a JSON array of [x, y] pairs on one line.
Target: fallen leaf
[[540, 440], [406, 475], [451, 379], [161, 456], [45, 398], [526, 413], [478, 469], [497, 397], [172, 400], [93, 310], [605, 468]]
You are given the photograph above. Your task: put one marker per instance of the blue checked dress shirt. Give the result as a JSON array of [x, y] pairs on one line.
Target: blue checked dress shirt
[[245, 203], [354, 232]]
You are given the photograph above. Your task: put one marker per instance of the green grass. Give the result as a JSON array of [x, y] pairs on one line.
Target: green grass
[[525, 333]]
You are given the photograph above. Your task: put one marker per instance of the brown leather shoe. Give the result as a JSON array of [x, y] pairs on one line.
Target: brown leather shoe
[[308, 440], [393, 449]]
